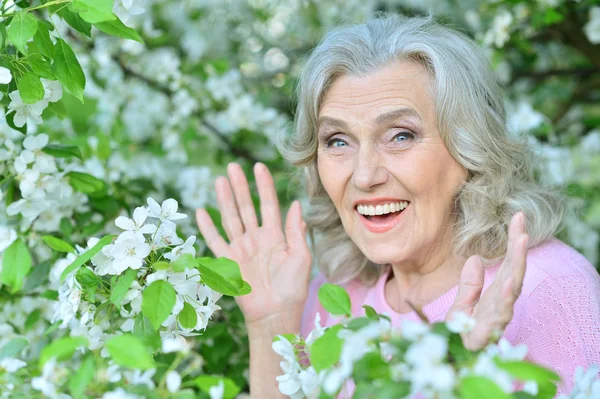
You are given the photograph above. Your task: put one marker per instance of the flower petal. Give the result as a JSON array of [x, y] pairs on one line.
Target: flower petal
[[125, 223]]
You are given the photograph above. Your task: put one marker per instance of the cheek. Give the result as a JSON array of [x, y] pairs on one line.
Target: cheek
[[332, 174]]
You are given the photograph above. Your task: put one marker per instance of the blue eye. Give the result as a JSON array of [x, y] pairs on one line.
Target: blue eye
[[335, 143], [404, 136]]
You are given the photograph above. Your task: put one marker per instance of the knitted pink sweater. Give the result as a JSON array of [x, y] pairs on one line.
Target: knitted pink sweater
[[557, 315]]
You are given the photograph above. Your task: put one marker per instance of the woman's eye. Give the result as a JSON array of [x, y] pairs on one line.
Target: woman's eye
[[403, 136], [335, 143]]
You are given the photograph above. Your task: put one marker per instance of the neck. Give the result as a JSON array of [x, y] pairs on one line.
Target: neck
[[422, 282]]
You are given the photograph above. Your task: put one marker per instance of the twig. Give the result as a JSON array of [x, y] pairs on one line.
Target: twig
[[239, 152]]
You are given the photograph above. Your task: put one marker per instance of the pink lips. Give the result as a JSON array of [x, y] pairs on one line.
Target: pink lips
[[382, 227]]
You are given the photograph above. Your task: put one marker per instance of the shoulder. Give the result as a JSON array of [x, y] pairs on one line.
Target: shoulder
[[554, 263]]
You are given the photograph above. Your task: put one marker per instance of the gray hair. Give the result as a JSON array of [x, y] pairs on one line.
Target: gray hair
[[471, 121]]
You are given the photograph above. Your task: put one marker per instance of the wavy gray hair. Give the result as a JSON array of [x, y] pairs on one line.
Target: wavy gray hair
[[471, 121]]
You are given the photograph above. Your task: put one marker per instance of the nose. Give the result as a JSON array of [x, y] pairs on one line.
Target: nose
[[369, 172]]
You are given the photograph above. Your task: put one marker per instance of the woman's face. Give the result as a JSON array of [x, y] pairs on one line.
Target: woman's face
[[380, 150]]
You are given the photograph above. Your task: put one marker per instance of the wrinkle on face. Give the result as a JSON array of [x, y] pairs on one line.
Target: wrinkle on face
[[368, 118]]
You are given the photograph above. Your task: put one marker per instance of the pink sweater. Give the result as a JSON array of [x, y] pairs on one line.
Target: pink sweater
[[557, 315]]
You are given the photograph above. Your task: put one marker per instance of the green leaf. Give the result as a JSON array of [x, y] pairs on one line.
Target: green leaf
[[370, 312], [160, 265], [326, 350], [40, 66], [526, 371], [222, 275], [67, 70], [32, 319], [123, 284], [22, 28], [117, 28], [129, 351], [93, 11], [16, 264], [50, 294], [84, 182], [83, 376], [371, 367], [61, 348], [43, 41], [30, 88], [87, 278], [335, 300], [52, 328], [59, 109], [2, 37], [75, 21], [142, 328], [86, 256], [205, 382], [62, 151], [382, 390], [185, 261], [13, 347], [475, 387], [158, 300], [188, 316], [57, 244]]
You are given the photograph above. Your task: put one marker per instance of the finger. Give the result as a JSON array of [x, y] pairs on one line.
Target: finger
[[213, 239], [229, 211], [242, 196], [469, 287], [295, 230], [269, 204], [518, 240]]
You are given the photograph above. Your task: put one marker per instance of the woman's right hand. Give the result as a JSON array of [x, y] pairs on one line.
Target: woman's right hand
[[275, 263]]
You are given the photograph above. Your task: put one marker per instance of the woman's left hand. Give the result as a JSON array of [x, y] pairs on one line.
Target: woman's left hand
[[493, 310]]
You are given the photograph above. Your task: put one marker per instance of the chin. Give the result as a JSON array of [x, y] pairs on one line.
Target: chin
[[383, 253]]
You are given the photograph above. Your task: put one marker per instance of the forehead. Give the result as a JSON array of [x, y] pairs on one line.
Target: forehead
[[400, 84]]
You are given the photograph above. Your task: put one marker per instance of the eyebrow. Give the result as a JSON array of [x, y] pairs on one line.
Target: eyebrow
[[383, 118]]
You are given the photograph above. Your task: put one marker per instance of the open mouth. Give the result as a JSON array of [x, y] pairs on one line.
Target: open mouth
[[381, 213]]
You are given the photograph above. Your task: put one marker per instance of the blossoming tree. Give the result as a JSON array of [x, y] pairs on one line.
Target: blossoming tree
[[116, 115]]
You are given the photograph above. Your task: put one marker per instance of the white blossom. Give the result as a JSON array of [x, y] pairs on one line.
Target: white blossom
[[52, 90], [10, 364], [136, 224], [173, 381], [120, 393], [129, 251], [217, 391], [5, 76], [175, 344], [166, 236], [25, 112], [592, 27], [461, 323], [186, 248], [7, 236], [500, 31], [166, 211]]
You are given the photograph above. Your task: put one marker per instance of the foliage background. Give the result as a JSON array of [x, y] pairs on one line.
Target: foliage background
[[213, 82]]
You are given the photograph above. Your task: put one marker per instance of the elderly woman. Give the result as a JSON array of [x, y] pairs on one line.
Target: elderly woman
[[420, 199]]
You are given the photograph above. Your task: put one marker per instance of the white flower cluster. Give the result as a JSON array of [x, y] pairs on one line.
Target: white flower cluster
[[46, 195], [32, 112], [415, 353]]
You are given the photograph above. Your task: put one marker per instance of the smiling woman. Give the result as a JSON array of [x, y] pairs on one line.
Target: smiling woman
[[419, 198]]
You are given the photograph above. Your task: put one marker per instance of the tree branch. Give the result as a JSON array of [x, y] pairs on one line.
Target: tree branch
[[237, 151]]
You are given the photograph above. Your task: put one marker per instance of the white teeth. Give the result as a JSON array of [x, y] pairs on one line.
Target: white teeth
[[381, 209]]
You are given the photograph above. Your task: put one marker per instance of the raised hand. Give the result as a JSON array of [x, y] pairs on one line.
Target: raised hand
[[275, 263], [493, 310]]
